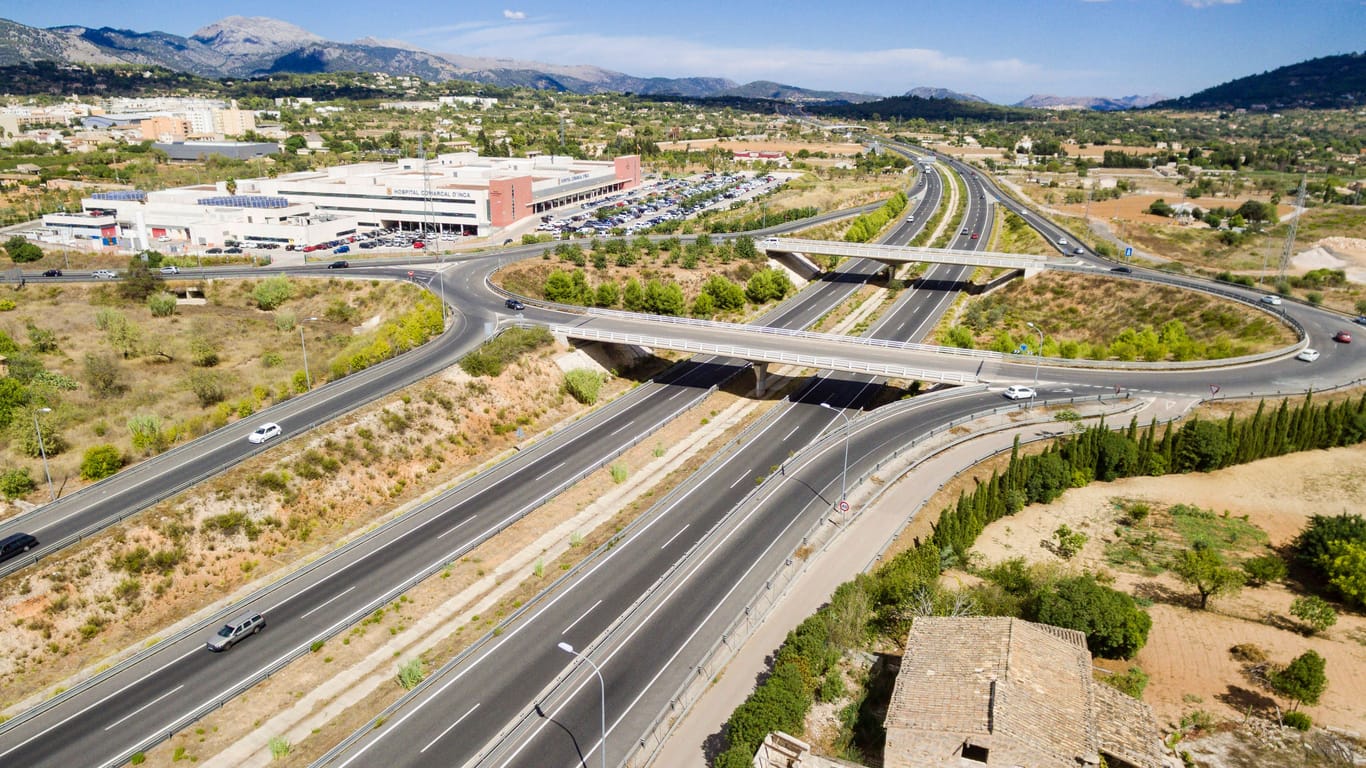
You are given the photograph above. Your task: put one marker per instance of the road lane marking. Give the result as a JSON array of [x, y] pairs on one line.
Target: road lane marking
[[793, 432], [116, 723], [324, 604], [620, 428], [448, 729], [580, 618], [548, 471], [457, 525], [676, 535], [741, 477]]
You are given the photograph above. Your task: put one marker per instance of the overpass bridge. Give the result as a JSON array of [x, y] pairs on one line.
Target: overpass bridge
[[895, 255]]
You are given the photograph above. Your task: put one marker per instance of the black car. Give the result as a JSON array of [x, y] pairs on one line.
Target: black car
[[234, 249], [339, 264], [16, 544], [214, 250], [514, 304], [53, 273], [1123, 270]]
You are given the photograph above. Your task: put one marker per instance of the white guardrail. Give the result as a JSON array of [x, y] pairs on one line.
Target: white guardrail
[[905, 253]]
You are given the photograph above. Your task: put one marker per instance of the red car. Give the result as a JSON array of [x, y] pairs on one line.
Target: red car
[[1342, 337], [974, 235], [419, 244]]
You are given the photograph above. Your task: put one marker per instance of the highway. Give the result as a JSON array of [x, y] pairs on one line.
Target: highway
[[136, 705]]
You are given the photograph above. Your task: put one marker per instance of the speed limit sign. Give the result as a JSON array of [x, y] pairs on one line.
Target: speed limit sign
[[844, 505]]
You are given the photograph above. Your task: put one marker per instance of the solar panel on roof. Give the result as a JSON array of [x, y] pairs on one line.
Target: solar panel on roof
[[244, 201], [121, 194]]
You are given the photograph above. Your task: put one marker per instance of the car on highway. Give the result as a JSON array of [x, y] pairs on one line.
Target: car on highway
[[1078, 251], [52, 273], [170, 269], [1122, 270], [514, 304], [974, 235], [964, 232], [1018, 392], [339, 264], [1343, 337], [1062, 241], [103, 274], [16, 544], [267, 431], [1274, 301], [236, 631], [1308, 355], [1361, 319]]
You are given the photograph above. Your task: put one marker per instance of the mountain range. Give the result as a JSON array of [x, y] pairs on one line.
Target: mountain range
[[244, 47]]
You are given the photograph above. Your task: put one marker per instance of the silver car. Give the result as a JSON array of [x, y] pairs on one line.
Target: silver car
[[235, 631]]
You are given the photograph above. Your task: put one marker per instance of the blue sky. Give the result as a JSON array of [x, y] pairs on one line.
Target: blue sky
[[1002, 50]]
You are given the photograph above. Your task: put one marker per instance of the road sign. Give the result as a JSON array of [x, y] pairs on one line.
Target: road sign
[[844, 505], [1128, 252]]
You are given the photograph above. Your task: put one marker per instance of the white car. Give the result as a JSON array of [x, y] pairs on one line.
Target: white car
[[103, 274], [1018, 392], [1308, 355], [170, 269], [1274, 301], [267, 431], [1062, 241]]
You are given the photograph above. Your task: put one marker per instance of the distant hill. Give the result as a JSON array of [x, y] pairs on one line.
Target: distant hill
[[1096, 103], [1331, 82], [907, 107], [925, 92], [767, 89]]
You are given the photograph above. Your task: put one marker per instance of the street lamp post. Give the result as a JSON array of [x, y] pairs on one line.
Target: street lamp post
[[1038, 356], [308, 377], [567, 648], [42, 450], [848, 425]]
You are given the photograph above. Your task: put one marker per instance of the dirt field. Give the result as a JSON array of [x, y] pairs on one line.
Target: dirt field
[[1187, 653]]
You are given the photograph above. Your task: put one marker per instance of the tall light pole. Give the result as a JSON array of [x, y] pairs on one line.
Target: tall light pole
[[1038, 357], [308, 377], [567, 648], [848, 425], [42, 449]]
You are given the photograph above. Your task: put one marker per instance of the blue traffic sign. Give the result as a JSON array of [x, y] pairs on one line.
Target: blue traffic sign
[[1128, 252]]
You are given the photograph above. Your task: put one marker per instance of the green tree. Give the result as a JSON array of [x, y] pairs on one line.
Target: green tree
[[24, 438], [1312, 545], [1315, 612], [21, 251], [633, 296], [1302, 681], [140, 281], [1203, 568], [726, 295], [13, 396], [101, 461], [1264, 570], [1345, 569], [1201, 446], [16, 482], [1114, 625]]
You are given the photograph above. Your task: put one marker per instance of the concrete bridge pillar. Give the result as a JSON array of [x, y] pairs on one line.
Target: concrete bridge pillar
[[760, 378]]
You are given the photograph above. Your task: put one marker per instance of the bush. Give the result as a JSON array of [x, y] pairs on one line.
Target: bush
[[161, 304], [1297, 720], [101, 461], [583, 385], [1114, 625], [1132, 682], [1264, 570], [21, 251], [270, 293], [16, 482], [410, 674], [490, 358], [1315, 612], [208, 387]]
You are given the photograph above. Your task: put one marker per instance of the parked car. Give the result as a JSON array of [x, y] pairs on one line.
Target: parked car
[[170, 269], [214, 250], [1018, 392], [233, 249], [342, 249], [1274, 301], [514, 304], [1308, 355], [268, 431], [419, 244], [103, 274], [1343, 337], [339, 264], [16, 544], [236, 631], [53, 273]]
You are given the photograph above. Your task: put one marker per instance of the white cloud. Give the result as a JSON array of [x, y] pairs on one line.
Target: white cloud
[[514, 15], [886, 71], [1209, 3]]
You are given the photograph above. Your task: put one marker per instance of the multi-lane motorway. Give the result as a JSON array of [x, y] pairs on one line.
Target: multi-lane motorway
[[451, 720]]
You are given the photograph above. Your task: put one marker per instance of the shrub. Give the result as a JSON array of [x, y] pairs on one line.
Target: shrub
[[1114, 625], [101, 461], [1315, 612], [1132, 682], [583, 385], [161, 304], [270, 293], [1297, 720], [1264, 570], [208, 387], [410, 674], [16, 482], [280, 747]]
